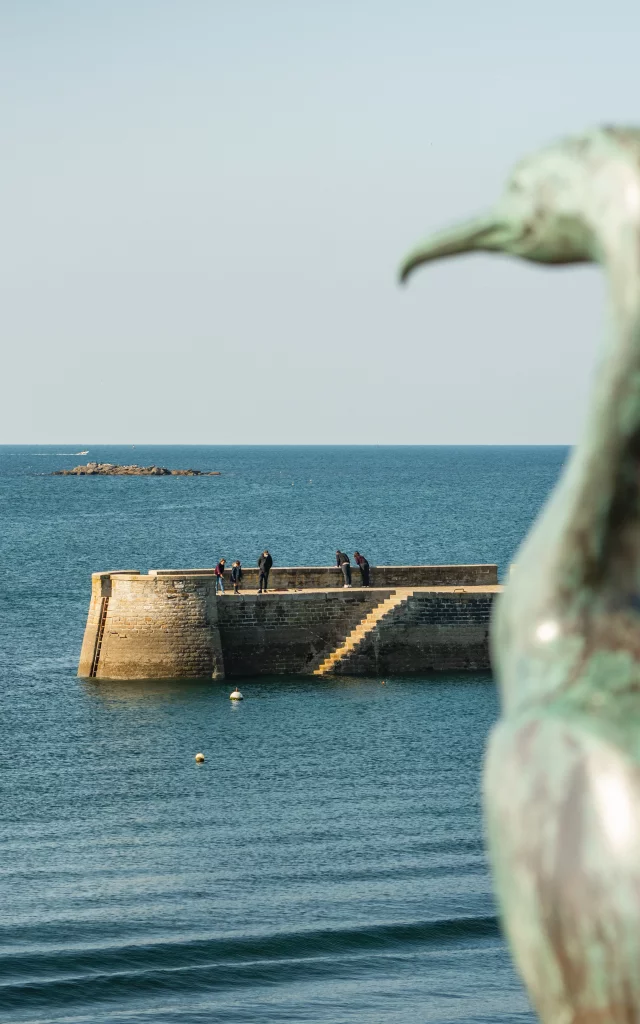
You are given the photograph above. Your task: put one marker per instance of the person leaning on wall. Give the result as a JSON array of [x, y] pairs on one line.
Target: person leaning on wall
[[363, 566], [343, 563]]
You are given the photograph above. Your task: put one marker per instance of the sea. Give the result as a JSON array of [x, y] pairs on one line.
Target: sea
[[326, 863]]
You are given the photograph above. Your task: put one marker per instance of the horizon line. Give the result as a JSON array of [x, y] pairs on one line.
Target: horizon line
[[288, 444]]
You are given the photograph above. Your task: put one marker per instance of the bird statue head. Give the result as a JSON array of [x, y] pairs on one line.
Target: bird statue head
[[551, 209]]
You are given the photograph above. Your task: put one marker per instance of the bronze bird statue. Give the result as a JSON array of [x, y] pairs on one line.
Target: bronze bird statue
[[562, 769]]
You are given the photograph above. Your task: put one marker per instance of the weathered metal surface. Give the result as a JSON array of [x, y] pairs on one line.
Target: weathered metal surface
[[562, 772]]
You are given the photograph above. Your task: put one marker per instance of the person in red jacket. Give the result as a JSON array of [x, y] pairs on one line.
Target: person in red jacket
[[219, 573], [363, 566]]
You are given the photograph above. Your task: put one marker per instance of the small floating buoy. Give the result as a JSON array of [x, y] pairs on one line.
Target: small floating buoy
[[382, 683], [236, 695], [199, 758]]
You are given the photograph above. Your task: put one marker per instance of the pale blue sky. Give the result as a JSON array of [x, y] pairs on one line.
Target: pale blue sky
[[204, 204]]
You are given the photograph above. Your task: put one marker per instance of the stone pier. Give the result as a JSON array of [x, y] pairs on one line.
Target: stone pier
[[170, 624]]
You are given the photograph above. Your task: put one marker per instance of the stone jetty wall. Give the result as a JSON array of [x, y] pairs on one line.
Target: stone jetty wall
[[171, 624], [288, 633]]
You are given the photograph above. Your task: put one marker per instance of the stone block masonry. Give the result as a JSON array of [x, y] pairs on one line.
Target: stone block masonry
[[171, 624], [155, 628], [281, 634]]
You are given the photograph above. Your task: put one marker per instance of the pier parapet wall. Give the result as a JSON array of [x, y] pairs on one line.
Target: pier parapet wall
[[170, 624], [305, 577]]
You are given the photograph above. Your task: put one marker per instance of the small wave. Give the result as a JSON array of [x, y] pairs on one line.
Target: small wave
[[68, 976]]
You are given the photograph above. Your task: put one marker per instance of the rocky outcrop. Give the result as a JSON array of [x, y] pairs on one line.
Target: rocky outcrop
[[110, 469]]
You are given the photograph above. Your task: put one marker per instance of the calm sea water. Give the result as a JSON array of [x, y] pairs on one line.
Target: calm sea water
[[326, 862]]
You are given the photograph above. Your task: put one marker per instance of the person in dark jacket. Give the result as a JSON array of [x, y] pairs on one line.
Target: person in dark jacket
[[343, 563], [219, 573], [363, 566], [264, 565], [236, 576]]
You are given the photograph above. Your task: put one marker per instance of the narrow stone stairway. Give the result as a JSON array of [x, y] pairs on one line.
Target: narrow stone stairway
[[101, 624], [364, 627]]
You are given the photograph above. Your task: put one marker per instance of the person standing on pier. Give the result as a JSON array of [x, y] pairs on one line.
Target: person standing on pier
[[264, 565], [343, 563], [219, 574], [236, 576], [363, 566]]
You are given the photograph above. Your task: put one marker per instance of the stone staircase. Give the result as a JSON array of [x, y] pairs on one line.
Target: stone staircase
[[362, 630], [104, 607]]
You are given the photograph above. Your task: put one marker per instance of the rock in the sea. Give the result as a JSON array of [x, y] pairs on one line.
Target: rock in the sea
[[110, 469]]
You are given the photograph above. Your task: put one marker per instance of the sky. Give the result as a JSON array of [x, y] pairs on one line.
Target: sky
[[204, 205]]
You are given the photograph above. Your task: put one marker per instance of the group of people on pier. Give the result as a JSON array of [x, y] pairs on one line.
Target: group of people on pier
[[264, 566], [343, 563], [266, 561]]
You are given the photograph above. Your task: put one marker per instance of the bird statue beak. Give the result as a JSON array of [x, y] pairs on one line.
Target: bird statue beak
[[483, 233]]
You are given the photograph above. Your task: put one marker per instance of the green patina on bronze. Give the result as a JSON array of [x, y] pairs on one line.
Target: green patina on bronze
[[562, 771]]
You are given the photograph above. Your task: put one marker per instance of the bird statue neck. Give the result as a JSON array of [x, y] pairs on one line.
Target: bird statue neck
[[603, 522], [598, 542], [576, 588]]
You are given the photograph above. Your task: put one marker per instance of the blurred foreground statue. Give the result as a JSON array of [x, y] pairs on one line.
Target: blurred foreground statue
[[562, 774]]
